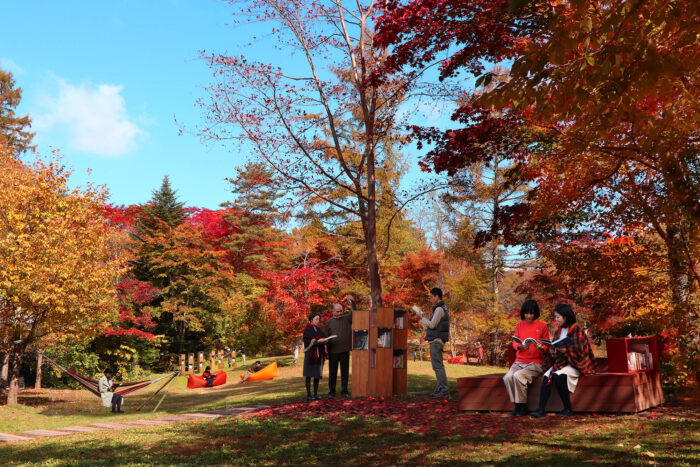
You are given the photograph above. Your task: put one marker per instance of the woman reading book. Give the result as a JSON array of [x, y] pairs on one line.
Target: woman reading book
[[529, 356], [314, 354], [566, 363]]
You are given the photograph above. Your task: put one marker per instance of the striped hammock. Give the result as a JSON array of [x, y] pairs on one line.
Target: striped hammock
[[92, 385]]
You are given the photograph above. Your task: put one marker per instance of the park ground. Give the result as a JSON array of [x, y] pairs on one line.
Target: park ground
[[410, 430]]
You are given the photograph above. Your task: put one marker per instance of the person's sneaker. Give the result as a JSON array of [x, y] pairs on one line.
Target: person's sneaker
[[565, 413], [331, 396], [317, 398], [310, 398], [515, 412], [345, 394], [537, 413], [440, 395]]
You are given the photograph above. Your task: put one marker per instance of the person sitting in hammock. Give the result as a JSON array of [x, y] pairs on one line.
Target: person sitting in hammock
[[208, 377], [107, 387], [256, 367]]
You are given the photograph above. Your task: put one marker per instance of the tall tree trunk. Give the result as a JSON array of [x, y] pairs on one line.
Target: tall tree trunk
[[39, 363], [13, 391], [681, 279], [374, 279], [5, 366]]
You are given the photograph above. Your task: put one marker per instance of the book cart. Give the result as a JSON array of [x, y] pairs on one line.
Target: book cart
[[379, 352]]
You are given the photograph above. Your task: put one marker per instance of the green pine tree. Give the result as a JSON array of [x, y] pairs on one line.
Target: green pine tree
[[13, 129]]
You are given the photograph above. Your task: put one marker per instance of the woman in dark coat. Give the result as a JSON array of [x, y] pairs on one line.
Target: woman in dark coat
[[315, 354]]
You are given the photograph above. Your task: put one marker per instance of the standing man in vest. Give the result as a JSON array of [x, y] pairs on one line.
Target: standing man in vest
[[339, 325], [437, 335]]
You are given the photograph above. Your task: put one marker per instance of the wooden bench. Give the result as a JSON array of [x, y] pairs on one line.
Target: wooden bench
[[603, 392]]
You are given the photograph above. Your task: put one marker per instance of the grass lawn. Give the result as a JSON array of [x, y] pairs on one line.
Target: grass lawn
[[397, 431]]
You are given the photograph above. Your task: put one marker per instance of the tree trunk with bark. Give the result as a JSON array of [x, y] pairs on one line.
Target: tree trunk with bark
[[39, 363]]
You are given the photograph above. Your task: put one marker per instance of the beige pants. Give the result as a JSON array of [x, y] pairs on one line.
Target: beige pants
[[518, 378]]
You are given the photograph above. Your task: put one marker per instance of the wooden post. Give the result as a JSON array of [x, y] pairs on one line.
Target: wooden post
[[221, 359], [183, 364], [212, 360], [190, 363], [200, 362]]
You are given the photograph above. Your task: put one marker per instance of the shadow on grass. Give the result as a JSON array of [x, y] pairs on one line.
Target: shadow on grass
[[355, 441]]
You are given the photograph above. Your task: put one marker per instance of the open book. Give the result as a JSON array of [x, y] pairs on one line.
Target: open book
[[564, 341], [331, 337], [527, 341]]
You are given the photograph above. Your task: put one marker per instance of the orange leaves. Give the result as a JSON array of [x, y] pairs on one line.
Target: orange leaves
[[57, 261]]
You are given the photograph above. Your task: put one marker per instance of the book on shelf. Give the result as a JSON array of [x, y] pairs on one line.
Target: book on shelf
[[637, 361], [384, 339], [527, 341], [400, 322], [398, 361], [562, 342], [361, 342]]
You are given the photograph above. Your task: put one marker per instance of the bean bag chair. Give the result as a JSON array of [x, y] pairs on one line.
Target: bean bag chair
[[268, 372], [194, 381]]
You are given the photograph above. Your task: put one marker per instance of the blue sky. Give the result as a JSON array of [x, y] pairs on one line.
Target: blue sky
[[104, 81]]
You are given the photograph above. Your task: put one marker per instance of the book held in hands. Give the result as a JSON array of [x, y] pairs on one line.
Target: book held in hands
[[563, 342], [527, 341]]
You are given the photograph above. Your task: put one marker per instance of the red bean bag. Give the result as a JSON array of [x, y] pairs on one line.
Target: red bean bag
[[199, 382]]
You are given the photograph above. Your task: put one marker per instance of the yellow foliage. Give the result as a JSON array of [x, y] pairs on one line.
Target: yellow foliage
[[57, 261]]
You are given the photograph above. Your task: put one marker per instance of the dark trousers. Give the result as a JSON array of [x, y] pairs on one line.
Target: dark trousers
[[333, 360], [116, 402]]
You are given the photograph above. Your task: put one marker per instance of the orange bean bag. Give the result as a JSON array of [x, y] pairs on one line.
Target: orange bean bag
[[199, 382], [268, 372]]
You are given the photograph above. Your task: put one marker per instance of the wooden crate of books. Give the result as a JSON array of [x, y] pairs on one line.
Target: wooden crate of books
[[630, 354]]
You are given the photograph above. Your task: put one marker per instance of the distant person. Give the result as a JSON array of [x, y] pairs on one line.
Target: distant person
[[529, 356], [480, 353], [566, 363], [257, 366], [314, 354], [296, 354], [208, 377], [243, 355], [339, 325], [106, 388], [437, 335]]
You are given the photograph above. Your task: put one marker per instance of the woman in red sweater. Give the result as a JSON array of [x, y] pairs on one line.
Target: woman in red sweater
[[529, 356]]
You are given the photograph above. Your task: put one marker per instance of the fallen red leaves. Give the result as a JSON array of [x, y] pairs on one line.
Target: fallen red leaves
[[422, 416]]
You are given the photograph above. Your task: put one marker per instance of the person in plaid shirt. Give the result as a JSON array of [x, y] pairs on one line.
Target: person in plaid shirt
[[567, 363]]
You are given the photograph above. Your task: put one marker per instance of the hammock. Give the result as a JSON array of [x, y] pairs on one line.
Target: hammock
[[92, 385]]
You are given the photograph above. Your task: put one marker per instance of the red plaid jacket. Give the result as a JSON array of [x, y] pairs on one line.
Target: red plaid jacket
[[579, 355]]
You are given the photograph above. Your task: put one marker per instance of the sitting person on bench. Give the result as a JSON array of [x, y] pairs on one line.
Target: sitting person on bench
[[208, 377], [566, 363], [529, 356]]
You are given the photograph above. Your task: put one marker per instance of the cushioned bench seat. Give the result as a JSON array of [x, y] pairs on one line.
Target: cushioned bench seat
[[604, 392]]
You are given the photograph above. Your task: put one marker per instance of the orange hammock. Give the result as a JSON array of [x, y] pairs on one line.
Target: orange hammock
[[268, 372], [199, 382]]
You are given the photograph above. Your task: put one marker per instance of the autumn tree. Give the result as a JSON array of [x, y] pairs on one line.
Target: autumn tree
[[320, 123], [14, 130], [57, 262], [613, 86]]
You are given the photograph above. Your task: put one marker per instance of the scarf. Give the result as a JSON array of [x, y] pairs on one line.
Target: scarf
[[317, 353]]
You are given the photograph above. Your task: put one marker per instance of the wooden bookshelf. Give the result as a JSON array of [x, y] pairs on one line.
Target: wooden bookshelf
[[632, 354], [399, 369], [375, 341]]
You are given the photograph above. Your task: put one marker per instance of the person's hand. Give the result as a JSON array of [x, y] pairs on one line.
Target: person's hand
[[539, 346], [526, 345], [521, 346], [313, 341], [417, 311], [560, 350]]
